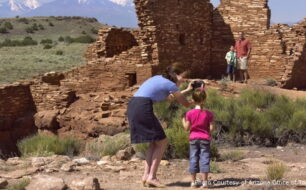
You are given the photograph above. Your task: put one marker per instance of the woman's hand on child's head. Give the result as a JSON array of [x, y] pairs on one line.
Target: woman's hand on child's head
[[190, 85]]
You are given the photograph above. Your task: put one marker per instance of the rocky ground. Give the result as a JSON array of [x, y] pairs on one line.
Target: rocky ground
[[123, 173]]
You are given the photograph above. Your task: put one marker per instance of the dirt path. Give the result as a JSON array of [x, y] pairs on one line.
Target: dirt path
[[233, 175]]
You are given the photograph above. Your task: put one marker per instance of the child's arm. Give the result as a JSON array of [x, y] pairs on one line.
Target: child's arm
[[228, 58], [211, 127], [186, 124]]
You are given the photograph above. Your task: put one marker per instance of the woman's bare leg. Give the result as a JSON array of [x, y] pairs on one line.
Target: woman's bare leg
[[159, 149], [148, 162]]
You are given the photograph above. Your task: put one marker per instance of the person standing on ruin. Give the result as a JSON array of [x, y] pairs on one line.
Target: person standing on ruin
[[243, 49], [144, 126]]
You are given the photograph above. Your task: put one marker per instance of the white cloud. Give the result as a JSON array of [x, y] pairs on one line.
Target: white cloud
[[121, 2], [82, 1], [32, 4]]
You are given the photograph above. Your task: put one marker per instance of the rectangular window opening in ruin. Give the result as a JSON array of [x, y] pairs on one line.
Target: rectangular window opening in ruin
[[182, 39], [131, 78]]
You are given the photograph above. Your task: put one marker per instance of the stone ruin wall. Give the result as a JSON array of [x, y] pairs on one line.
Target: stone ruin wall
[[16, 116], [278, 51], [176, 31], [230, 17]]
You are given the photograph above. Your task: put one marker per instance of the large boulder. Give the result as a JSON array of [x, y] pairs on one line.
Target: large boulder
[[88, 183], [45, 182], [47, 119]]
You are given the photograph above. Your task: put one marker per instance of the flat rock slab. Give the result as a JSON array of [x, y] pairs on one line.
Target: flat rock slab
[[88, 183], [18, 173], [44, 182]]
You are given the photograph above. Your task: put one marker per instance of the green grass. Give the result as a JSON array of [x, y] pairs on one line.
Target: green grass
[[20, 185], [110, 145], [18, 63], [142, 148], [214, 167], [276, 171], [232, 155], [45, 145], [254, 117], [63, 26]]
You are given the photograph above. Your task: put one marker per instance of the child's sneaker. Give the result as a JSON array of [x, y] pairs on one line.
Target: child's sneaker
[[204, 184], [195, 184]]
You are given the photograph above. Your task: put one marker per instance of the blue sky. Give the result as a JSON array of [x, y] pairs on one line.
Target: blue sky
[[284, 11]]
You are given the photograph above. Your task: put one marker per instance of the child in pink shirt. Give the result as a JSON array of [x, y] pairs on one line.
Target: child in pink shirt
[[198, 122]]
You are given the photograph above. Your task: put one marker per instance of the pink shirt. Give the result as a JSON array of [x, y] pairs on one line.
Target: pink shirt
[[200, 121], [242, 47]]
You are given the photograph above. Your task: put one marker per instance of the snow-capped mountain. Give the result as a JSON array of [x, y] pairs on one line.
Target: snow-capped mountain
[[112, 12], [20, 5]]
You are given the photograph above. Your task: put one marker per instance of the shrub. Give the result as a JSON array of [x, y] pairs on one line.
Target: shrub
[[29, 30], [109, 145], [142, 148], [47, 46], [214, 152], [256, 99], [68, 39], [83, 32], [35, 26], [8, 25], [164, 111], [20, 185], [214, 167], [178, 143], [3, 30], [41, 27], [24, 20], [94, 31], [223, 85], [83, 39], [232, 155], [271, 82], [276, 171], [28, 41], [59, 52], [253, 118], [46, 41], [51, 24], [61, 39], [45, 145]]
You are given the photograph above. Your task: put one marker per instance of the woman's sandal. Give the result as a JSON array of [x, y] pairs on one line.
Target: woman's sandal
[[144, 184], [158, 185]]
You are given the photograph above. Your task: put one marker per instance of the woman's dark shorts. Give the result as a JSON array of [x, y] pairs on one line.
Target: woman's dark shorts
[[144, 125]]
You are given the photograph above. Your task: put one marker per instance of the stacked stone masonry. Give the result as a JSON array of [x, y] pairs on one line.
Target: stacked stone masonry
[[194, 33], [17, 109], [278, 51]]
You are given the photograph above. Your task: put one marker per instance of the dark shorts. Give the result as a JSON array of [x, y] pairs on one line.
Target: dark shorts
[[144, 125], [230, 69]]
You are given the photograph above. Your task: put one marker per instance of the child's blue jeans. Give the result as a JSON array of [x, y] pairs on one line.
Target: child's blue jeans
[[199, 156]]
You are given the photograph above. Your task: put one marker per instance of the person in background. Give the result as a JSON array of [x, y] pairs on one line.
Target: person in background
[[243, 49], [144, 126], [199, 122], [231, 60]]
